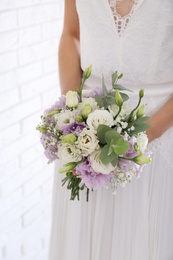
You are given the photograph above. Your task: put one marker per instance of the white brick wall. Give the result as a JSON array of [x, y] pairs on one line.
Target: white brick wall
[[29, 35]]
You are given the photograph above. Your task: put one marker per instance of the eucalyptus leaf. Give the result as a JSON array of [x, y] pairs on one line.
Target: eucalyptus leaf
[[104, 157], [101, 130], [142, 120], [110, 146], [104, 89], [99, 101], [114, 78], [109, 100], [139, 128], [115, 160], [112, 134], [124, 96], [121, 146], [119, 87]]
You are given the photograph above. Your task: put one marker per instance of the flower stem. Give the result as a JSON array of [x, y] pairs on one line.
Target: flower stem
[[87, 195], [120, 107]]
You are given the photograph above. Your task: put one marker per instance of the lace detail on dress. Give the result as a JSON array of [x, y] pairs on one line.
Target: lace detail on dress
[[121, 22]]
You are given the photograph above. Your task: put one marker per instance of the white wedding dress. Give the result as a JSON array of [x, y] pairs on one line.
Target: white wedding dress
[[136, 224]]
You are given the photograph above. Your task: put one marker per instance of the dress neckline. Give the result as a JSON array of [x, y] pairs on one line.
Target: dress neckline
[[122, 22]]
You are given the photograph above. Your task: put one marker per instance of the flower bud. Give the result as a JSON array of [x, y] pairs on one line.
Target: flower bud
[[68, 167], [141, 111], [141, 93], [69, 138], [86, 110], [42, 128], [87, 72], [136, 147], [79, 119], [71, 99], [142, 159], [54, 112], [118, 98]]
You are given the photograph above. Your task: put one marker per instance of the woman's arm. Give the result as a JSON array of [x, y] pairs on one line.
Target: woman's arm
[[69, 56], [161, 121]]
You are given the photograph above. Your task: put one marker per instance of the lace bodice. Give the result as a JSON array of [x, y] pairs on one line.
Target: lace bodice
[[141, 48], [122, 13]]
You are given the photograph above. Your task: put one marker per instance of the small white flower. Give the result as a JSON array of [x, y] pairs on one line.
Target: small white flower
[[71, 99], [63, 119], [142, 141], [87, 141], [132, 128], [129, 175], [124, 124], [119, 129], [99, 117], [98, 166], [69, 153]]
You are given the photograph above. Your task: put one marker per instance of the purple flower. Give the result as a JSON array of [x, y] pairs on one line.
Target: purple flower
[[127, 166], [74, 127], [60, 104], [90, 178], [97, 91], [131, 152]]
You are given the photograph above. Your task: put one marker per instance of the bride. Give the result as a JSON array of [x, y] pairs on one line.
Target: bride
[[134, 37]]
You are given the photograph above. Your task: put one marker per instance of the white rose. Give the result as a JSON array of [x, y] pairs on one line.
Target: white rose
[[98, 166], [142, 141], [64, 118], [69, 153], [72, 99], [99, 117], [87, 141], [91, 101]]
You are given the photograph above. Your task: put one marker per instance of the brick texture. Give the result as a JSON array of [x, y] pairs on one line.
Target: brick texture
[[29, 37]]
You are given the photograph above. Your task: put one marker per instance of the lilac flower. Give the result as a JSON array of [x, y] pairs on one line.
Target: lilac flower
[[74, 127], [60, 104], [90, 178], [97, 91], [127, 166], [131, 152]]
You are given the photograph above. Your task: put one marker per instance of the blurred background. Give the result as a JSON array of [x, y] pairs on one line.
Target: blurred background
[[29, 37]]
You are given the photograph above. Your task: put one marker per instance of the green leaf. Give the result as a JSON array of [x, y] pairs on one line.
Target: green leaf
[[119, 87], [115, 161], [121, 146], [108, 100], [112, 134], [101, 130], [142, 120], [104, 89], [99, 101], [104, 157], [110, 146], [114, 78], [139, 128], [124, 96]]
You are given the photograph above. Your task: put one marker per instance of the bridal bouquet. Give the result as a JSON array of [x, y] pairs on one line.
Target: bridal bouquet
[[98, 138]]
